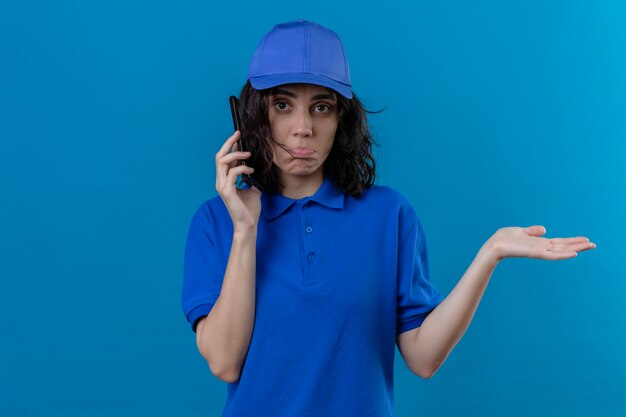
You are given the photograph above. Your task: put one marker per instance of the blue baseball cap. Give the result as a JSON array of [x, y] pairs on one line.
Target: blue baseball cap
[[300, 52]]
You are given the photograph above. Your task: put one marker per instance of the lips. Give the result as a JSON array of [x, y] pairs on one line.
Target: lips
[[301, 152]]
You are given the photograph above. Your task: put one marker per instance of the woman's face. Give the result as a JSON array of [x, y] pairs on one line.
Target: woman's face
[[303, 118]]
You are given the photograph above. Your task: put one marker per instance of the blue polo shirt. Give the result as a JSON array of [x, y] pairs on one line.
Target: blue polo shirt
[[337, 279]]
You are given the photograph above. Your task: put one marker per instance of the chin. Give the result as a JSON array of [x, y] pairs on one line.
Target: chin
[[297, 167], [301, 171]]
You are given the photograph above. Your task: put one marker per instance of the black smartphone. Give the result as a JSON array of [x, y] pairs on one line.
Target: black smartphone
[[243, 146]]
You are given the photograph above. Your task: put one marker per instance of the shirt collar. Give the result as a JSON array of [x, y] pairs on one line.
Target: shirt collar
[[273, 205]]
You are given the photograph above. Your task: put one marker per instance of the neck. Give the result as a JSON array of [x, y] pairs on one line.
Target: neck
[[297, 187]]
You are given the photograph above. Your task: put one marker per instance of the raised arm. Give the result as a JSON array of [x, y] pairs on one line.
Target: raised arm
[[425, 348], [223, 337]]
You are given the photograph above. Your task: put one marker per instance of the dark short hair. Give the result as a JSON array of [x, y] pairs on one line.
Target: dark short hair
[[350, 163]]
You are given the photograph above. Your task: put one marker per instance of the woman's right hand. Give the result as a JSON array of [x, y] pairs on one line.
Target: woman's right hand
[[244, 206]]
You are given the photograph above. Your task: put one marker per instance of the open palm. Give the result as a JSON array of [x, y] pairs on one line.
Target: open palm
[[526, 242]]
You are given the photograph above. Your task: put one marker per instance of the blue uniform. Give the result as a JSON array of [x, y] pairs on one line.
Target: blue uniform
[[337, 279]]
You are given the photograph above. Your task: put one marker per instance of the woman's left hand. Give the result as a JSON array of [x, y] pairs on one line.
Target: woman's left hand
[[525, 242]]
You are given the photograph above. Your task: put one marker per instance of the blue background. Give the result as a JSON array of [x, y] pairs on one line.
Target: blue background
[[498, 114]]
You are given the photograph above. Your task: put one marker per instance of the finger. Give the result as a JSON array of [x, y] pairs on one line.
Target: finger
[[593, 246], [233, 173], [228, 144], [228, 183], [222, 170], [585, 246], [565, 255], [224, 177], [233, 156], [535, 230], [569, 239], [572, 246], [558, 254], [229, 161]]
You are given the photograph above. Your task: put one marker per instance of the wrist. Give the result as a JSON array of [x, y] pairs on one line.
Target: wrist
[[244, 232], [489, 253]]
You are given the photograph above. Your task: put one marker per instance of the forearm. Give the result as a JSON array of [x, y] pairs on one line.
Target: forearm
[[446, 324], [224, 335]]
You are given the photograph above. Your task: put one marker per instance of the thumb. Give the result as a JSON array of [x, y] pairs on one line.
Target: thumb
[[535, 230]]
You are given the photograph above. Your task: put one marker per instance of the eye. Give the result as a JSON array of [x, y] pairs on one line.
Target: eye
[[325, 108], [280, 105]]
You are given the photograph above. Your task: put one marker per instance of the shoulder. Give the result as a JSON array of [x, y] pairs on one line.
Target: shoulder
[[386, 192], [387, 198], [390, 203], [210, 211]]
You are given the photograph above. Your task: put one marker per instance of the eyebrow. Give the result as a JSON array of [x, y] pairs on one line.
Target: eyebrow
[[277, 91]]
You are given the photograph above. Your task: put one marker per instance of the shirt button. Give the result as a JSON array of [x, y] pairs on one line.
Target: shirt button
[[305, 206], [309, 229], [311, 257]]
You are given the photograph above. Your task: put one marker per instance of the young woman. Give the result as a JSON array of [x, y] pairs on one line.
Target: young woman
[[299, 294]]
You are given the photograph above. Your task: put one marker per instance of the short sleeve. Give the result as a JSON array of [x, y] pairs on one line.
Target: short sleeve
[[202, 274], [416, 295]]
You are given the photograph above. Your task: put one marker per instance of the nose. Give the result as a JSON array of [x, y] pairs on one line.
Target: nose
[[304, 124]]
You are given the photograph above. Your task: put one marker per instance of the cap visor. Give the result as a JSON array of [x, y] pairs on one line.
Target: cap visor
[[267, 81]]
